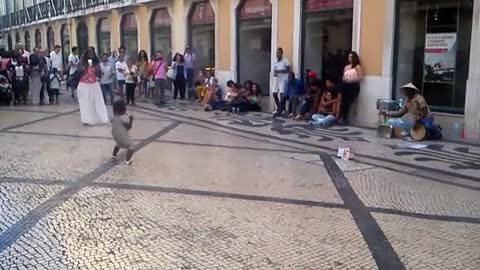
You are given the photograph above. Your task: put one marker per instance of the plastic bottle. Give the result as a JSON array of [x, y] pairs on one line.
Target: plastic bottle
[[400, 103]]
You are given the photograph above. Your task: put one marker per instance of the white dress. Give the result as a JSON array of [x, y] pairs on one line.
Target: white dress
[[90, 99]]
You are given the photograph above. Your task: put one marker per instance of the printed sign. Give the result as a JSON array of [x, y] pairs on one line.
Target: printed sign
[[440, 57], [203, 14], [252, 9], [162, 18], [322, 5]]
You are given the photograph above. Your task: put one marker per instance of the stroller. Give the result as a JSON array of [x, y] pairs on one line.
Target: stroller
[[6, 93]]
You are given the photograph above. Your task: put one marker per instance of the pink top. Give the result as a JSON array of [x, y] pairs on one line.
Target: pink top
[[89, 75], [159, 70]]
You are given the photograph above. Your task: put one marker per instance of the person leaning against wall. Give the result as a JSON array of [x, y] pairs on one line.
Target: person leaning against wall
[[352, 76]]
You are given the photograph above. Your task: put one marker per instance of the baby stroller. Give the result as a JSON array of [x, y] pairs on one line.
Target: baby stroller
[[6, 93]]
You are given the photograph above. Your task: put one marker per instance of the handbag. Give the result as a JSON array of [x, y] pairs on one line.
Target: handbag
[[171, 74]]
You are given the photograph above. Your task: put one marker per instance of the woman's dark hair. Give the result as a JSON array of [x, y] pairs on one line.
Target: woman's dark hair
[[85, 56], [119, 107], [355, 59], [230, 83], [248, 85], [74, 49], [145, 57], [181, 58], [259, 90]]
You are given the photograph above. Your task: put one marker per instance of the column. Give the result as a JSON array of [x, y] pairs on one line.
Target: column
[[115, 18], [285, 24], [223, 40], [472, 101], [91, 22], [73, 32], [179, 25], [142, 14]]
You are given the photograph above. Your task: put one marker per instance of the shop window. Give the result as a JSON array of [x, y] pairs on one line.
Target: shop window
[[129, 34], [27, 41], [254, 37], [82, 37], [327, 36], [103, 36], [202, 34], [432, 48], [161, 33], [50, 38], [65, 40], [38, 38]]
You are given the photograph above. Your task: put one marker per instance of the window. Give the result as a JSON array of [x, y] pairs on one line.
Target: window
[[27, 41], [50, 38], [65, 40], [103, 36], [38, 38], [129, 34], [326, 36], [161, 33], [17, 38], [202, 34], [82, 37], [254, 37], [432, 49]]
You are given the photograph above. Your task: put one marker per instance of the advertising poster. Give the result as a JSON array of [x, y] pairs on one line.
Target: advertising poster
[[440, 57]]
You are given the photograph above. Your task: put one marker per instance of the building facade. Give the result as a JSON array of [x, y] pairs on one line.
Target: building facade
[[433, 43]]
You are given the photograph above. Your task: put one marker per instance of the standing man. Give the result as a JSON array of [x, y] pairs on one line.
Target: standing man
[[56, 60], [46, 62], [120, 68], [281, 68], [73, 61], [190, 58]]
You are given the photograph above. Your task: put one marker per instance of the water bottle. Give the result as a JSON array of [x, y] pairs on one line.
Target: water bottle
[[400, 103]]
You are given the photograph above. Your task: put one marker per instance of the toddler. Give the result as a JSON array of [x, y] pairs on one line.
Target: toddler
[[120, 127]]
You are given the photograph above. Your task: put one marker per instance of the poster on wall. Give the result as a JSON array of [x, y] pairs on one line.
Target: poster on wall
[[440, 57]]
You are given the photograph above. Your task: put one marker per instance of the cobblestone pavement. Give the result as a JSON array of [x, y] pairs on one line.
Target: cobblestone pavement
[[219, 191]]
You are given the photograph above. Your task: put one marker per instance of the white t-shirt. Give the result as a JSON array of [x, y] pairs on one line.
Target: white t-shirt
[[56, 59], [281, 65], [19, 72], [123, 67], [107, 73], [128, 76], [74, 60]]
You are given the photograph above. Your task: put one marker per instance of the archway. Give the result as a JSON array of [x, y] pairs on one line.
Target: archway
[[161, 33], [38, 38], [50, 38], [103, 36], [202, 34], [82, 37], [254, 42], [129, 34], [65, 40], [27, 41]]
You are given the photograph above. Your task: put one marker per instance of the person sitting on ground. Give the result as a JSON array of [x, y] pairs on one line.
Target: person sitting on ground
[[418, 108], [213, 99], [234, 97], [199, 87], [254, 98], [310, 99], [331, 86], [209, 76], [328, 110], [296, 92]]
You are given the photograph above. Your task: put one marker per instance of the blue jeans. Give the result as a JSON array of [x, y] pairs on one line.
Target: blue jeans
[[323, 120], [189, 77], [107, 89]]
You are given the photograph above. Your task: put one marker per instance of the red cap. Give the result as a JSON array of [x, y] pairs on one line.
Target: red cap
[[312, 74]]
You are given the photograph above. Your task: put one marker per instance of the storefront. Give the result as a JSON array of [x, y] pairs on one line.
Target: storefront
[[326, 36], [65, 41], [27, 40], [161, 33], [50, 38], [82, 37], [254, 42], [38, 38], [202, 34], [103, 36], [129, 34], [432, 49]]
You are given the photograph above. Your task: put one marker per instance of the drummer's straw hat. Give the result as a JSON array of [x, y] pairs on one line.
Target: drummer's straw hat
[[418, 132], [410, 86]]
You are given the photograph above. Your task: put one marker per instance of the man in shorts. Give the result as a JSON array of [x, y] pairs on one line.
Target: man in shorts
[[281, 68]]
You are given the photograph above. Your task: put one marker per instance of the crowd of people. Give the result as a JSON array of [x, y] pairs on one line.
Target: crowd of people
[[324, 101]]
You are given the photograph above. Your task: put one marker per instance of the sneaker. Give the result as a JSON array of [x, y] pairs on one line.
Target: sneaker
[[128, 162]]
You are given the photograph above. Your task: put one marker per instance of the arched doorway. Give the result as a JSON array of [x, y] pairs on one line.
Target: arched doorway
[[129, 34], [103, 36], [50, 38], [254, 41], [202, 34], [326, 36], [18, 40], [82, 37], [10, 42], [27, 41], [38, 38], [161, 33], [65, 40]]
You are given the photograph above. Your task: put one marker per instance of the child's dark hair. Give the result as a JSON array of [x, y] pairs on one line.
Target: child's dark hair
[[119, 107]]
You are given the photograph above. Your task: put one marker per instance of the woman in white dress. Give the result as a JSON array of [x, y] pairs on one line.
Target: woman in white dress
[[90, 98]]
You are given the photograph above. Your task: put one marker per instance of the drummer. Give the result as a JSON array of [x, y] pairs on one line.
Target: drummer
[[417, 107]]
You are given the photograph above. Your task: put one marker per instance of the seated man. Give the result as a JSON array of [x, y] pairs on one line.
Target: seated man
[[328, 110], [417, 107], [309, 102]]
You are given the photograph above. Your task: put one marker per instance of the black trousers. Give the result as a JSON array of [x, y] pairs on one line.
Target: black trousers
[[20, 90], [130, 92], [180, 85], [349, 94]]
